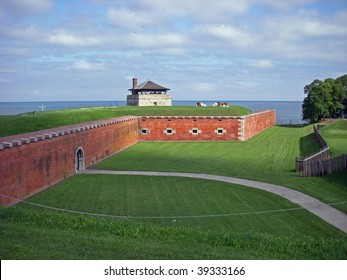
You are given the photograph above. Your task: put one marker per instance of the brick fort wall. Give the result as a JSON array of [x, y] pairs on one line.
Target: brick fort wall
[[30, 163], [255, 123], [205, 128]]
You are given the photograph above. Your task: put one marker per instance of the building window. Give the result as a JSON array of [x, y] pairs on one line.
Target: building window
[[144, 131], [220, 131], [195, 131], [169, 131]]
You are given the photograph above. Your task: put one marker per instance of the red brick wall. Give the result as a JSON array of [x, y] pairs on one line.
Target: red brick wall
[[32, 164], [257, 122], [188, 128], [207, 128], [29, 168]]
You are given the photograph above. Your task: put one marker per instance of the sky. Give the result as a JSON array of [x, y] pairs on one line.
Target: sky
[[72, 50]]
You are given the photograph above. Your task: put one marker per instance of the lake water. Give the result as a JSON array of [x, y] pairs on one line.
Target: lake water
[[287, 112]]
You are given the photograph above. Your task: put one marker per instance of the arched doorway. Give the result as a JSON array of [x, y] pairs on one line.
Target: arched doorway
[[79, 159]]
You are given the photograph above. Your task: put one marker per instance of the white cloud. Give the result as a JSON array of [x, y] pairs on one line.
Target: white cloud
[[61, 38], [129, 19], [306, 24], [262, 63], [203, 87], [285, 4], [83, 65], [233, 35], [198, 9], [157, 40], [24, 32]]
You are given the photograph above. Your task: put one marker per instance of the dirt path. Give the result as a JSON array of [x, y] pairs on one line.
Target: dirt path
[[318, 208]]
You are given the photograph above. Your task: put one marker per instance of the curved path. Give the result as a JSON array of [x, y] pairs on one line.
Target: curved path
[[320, 209]]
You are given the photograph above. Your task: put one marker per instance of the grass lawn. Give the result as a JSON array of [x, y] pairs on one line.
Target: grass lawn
[[184, 202], [255, 230], [10, 125], [269, 157], [31, 232], [335, 134]]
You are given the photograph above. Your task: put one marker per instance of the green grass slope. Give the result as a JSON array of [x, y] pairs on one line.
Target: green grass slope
[[36, 234], [268, 157], [10, 125], [335, 134], [32, 232], [194, 203]]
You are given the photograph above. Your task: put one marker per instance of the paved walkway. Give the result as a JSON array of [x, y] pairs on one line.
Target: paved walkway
[[320, 209]]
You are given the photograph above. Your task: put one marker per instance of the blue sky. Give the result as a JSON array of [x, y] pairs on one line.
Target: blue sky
[[200, 49]]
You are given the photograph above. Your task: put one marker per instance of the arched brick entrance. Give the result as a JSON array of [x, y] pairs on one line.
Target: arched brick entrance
[[79, 159]]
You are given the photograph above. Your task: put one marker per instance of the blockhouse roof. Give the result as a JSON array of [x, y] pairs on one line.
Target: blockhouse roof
[[149, 86]]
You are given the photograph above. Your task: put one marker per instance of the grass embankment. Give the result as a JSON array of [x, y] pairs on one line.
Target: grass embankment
[[11, 125], [335, 134], [268, 157], [194, 203], [39, 234]]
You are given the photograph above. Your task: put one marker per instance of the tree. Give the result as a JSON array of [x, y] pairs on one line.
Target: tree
[[325, 99], [343, 83]]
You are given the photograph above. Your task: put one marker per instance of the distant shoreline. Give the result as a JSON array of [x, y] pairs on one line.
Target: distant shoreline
[[287, 112]]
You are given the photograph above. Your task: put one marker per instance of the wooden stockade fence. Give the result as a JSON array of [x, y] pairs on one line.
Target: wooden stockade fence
[[321, 164], [320, 156], [324, 167]]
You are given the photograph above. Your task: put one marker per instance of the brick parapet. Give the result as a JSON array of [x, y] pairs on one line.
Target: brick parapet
[[30, 164], [27, 138]]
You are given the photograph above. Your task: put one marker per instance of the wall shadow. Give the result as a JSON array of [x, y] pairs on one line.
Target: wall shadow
[[308, 145]]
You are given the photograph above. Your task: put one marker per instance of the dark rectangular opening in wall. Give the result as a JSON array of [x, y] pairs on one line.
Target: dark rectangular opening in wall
[[144, 130], [220, 131], [169, 131]]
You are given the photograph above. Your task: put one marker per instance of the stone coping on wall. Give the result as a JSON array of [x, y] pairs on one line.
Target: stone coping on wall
[[32, 137]]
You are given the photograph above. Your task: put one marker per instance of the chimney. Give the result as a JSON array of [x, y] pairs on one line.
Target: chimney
[[134, 85]]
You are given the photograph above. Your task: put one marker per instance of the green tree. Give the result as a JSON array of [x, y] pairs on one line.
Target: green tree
[[343, 83], [325, 99]]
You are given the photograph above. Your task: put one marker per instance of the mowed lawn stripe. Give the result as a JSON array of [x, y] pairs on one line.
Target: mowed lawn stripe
[[335, 134], [158, 197], [268, 157]]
